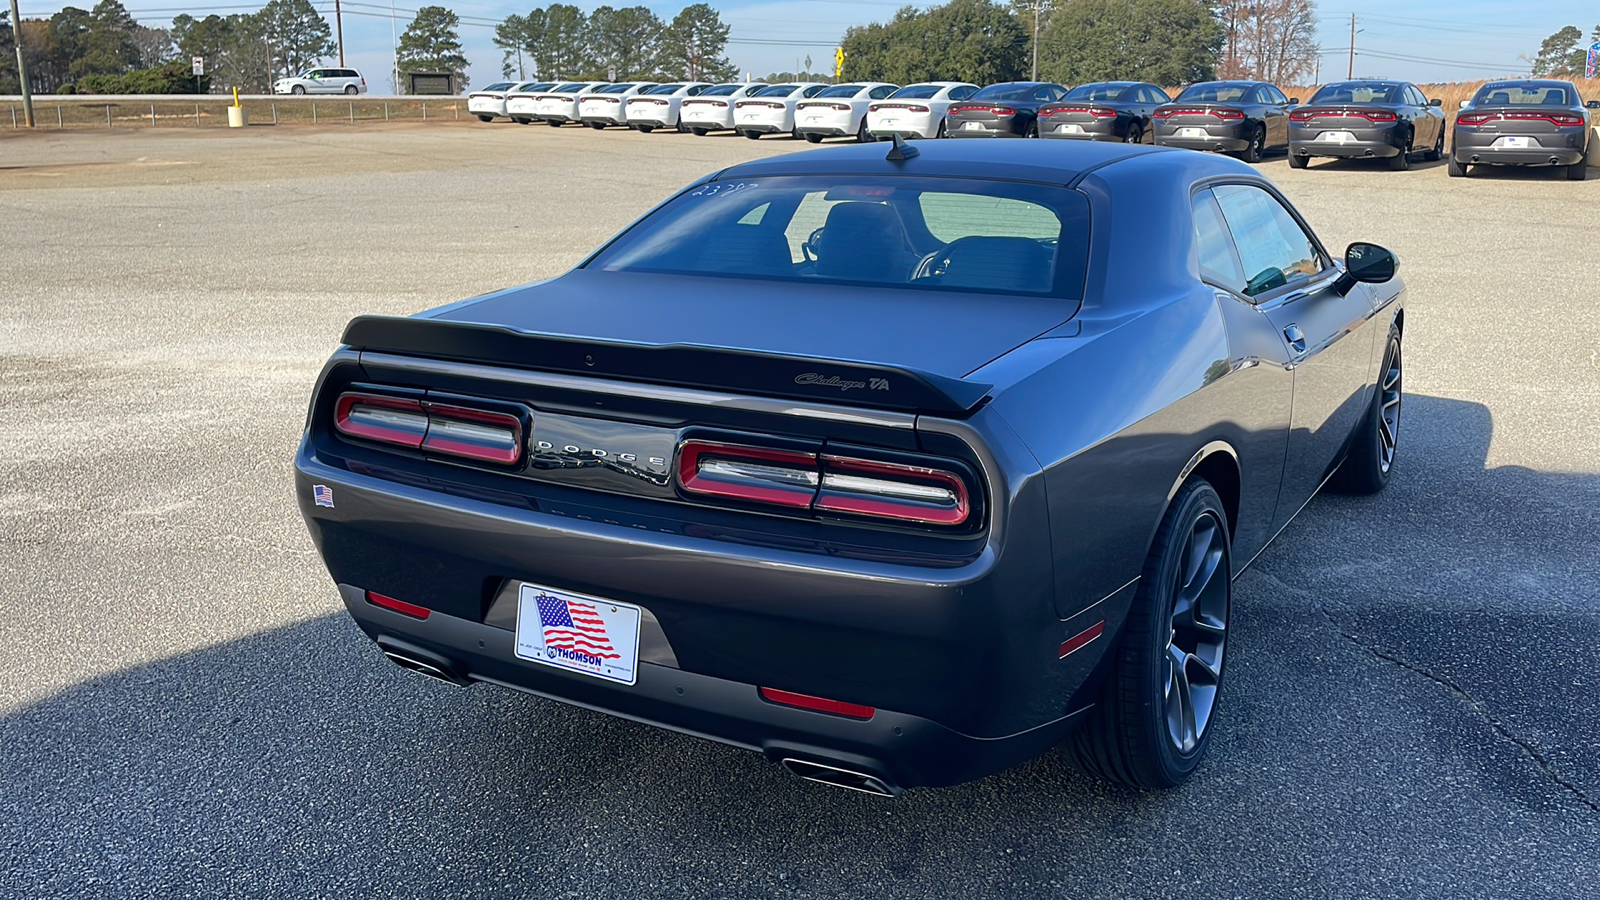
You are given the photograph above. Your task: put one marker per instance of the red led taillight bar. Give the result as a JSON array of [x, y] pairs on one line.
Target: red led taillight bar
[[459, 431], [824, 483]]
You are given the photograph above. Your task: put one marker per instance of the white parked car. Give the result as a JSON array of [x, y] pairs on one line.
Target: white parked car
[[659, 106], [712, 110], [916, 110], [771, 109], [489, 103], [559, 105], [522, 101], [839, 110], [609, 105], [322, 81]]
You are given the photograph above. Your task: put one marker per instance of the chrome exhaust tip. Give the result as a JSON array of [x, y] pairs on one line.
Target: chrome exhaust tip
[[849, 779], [413, 659]]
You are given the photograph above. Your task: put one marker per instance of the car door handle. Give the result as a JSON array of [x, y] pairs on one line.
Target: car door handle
[[1297, 339]]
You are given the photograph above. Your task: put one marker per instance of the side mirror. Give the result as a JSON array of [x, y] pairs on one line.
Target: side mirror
[[1366, 263], [1294, 99], [1436, 102], [1464, 104], [1592, 104]]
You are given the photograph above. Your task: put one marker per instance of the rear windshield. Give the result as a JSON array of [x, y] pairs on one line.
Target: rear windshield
[[1214, 92], [1358, 92], [1096, 92], [842, 90], [664, 89], [777, 90], [498, 86], [945, 234], [1512, 93], [541, 86], [1005, 92], [917, 92], [615, 89], [721, 90], [569, 88]]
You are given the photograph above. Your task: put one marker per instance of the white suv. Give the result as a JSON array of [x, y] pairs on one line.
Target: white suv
[[322, 81]]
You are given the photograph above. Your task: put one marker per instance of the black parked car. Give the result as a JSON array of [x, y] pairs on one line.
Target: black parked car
[[1367, 120], [1104, 111], [1010, 109], [967, 474], [1245, 118], [1523, 123]]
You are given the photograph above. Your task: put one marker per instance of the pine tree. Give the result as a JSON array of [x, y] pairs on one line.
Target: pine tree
[[431, 44]]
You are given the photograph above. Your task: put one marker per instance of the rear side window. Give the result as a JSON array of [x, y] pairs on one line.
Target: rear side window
[[1274, 250], [903, 232], [1218, 264]]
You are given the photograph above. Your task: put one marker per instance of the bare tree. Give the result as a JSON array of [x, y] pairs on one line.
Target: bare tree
[[1269, 40]]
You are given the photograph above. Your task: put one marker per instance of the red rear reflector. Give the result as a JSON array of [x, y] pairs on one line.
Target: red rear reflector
[[399, 606], [818, 704], [1082, 639]]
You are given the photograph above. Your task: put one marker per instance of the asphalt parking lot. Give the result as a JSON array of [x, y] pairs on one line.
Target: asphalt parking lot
[[1413, 707]]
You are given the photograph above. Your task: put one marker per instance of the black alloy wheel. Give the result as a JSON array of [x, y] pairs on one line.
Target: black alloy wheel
[[1402, 161], [1135, 134], [351, 89], [1258, 146], [1371, 458], [1437, 153], [1153, 721]]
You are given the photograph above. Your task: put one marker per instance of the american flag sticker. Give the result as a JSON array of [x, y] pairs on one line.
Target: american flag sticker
[[578, 633], [322, 494]]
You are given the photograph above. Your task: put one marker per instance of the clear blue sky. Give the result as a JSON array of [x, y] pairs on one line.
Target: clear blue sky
[[1418, 40]]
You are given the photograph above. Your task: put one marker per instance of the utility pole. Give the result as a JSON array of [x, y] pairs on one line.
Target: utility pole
[[338, 24], [1352, 72], [22, 67]]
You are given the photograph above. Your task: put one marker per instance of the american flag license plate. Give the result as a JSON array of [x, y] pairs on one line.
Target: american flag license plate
[[578, 633]]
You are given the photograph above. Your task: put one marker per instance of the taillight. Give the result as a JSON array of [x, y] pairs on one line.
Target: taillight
[[1045, 111], [1378, 116], [997, 110], [892, 491], [825, 483], [435, 427], [839, 107], [1474, 118], [1558, 119], [1227, 114], [1102, 112], [1301, 115]]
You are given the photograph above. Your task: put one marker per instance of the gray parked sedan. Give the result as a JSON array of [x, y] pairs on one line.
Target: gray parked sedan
[[1523, 123], [1104, 111], [1245, 118], [1367, 120]]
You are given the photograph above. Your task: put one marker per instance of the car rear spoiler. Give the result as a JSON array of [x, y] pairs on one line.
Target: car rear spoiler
[[870, 385]]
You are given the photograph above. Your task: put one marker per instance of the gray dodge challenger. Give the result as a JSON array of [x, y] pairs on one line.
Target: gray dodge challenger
[[900, 464]]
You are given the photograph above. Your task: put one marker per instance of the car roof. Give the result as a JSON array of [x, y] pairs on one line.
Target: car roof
[[1044, 162]]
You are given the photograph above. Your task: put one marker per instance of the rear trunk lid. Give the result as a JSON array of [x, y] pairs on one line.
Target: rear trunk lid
[[1201, 114], [1532, 120]]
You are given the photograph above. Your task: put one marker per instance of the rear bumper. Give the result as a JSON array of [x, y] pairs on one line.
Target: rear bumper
[[1213, 144], [899, 749], [1082, 136], [1495, 156], [825, 130], [758, 128], [981, 133], [1344, 150], [649, 120], [604, 120]]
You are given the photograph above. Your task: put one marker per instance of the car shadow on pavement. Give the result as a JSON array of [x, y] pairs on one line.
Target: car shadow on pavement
[[1411, 684]]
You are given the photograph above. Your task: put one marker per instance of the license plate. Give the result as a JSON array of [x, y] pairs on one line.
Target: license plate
[[1069, 128], [975, 126], [888, 121], [813, 118], [1514, 143], [579, 633], [750, 117], [1336, 137], [1192, 133]]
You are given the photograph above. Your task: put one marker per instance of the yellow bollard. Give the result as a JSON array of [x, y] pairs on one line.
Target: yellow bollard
[[236, 114]]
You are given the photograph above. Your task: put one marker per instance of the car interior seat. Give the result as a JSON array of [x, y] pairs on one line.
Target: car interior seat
[[1499, 98], [864, 241]]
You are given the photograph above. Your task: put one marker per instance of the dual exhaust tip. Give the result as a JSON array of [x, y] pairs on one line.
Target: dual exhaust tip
[[415, 659]]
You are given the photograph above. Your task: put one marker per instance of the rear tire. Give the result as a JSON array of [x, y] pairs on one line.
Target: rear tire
[[597, 126], [699, 132], [1578, 171], [1152, 723], [942, 132], [1032, 132], [1457, 169], [811, 137], [1258, 146], [1299, 162], [1370, 461], [554, 123], [752, 135], [298, 89], [1402, 161], [645, 129], [861, 133], [1135, 134], [486, 118], [351, 89]]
